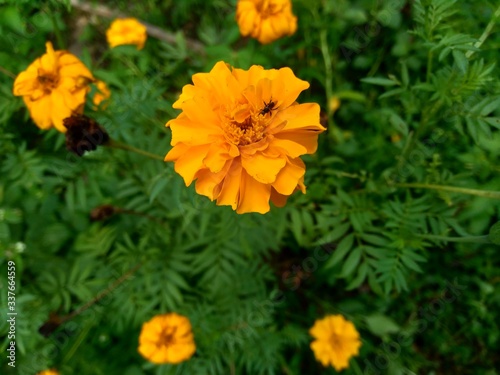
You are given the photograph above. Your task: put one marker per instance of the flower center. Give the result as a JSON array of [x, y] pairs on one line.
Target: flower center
[[48, 81], [245, 126], [335, 342], [167, 337]]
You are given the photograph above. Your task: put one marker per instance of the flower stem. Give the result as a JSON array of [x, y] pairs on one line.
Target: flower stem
[[486, 33], [122, 146], [328, 71], [102, 294], [60, 39], [7, 73], [453, 189], [327, 59], [469, 239]]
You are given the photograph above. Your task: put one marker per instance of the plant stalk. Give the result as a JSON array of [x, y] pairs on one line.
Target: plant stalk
[[122, 146], [452, 189]]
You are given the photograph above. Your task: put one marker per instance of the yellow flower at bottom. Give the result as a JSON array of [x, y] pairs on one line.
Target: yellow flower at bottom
[[241, 135], [126, 31], [167, 338], [265, 20], [336, 341], [53, 88], [48, 372]]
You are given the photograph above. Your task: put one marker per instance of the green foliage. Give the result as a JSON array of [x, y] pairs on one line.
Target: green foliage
[[381, 236]]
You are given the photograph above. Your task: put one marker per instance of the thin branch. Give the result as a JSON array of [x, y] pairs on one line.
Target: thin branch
[[486, 32], [452, 189], [102, 294], [154, 31], [7, 73]]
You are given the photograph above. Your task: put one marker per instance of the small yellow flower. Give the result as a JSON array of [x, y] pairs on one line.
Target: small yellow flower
[[48, 372], [126, 31], [265, 20], [167, 338], [102, 93], [336, 341], [53, 88], [241, 134]]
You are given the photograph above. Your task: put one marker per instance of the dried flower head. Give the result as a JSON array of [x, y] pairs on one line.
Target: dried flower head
[[336, 341], [84, 134], [126, 31], [103, 212], [265, 20], [241, 135], [53, 88], [167, 338]]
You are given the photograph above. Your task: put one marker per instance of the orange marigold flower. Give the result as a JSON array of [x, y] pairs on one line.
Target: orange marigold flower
[[336, 341], [126, 31], [48, 372], [167, 338], [265, 20], [102, 93], [241, 135], [53, 88]]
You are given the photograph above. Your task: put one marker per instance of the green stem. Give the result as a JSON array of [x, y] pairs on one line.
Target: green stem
[[453, 189], [429, 66], [122, 146], [328, 71], [486, 33], [60, 39], [470, 239], [77, 343]]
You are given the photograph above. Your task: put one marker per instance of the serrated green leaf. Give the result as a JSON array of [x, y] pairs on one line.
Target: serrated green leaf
[[338, 254], [351, 262]]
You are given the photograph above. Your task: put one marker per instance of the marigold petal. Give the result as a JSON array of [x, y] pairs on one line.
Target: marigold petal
[[299, 117], [254, 195], [247, 19], [294, 86], [40, 111], [176, 152], [24, 83], [218, 155], [297, 144], [188, 92], [71, 66], [181, 352], [288, 177], [191, 162], [230, 189], [193, 132], [263, 168], [48, 62], [279, 200], [322, 352]]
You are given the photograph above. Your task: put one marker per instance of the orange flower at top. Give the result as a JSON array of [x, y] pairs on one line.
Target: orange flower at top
[[53, 87], [266, 20], [167, 338], [48, 372], [336, 341], [241, 135], [126, 31]]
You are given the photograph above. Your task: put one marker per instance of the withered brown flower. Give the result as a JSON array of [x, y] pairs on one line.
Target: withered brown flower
[[83, 134]]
